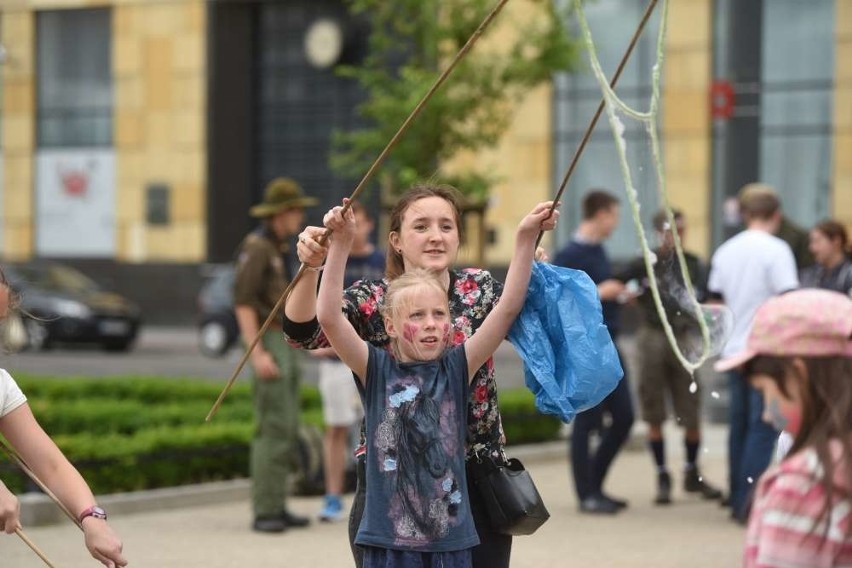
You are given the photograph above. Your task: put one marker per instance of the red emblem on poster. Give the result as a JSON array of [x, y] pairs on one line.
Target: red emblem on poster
[[721, 99], [75, 181]]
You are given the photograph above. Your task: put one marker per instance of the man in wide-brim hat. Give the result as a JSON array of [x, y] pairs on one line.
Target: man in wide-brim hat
[[262, 275], [282, 194]]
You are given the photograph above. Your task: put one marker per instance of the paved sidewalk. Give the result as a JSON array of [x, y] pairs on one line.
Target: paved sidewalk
[[690, 532]]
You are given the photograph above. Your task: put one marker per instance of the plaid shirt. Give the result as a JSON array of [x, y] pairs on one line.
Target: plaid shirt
[[785, 529]]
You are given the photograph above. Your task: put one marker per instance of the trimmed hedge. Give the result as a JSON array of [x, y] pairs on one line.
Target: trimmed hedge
[[522, 423], [132, 433]]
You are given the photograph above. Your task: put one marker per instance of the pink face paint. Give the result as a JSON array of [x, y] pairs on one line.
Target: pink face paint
[[794, 420], [409, 330], [446, 333]]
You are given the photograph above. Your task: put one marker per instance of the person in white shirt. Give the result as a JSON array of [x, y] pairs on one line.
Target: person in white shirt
[[26, 437], [747, 270]]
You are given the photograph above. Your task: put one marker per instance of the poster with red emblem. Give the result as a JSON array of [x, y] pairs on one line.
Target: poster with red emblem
[[75, 203]]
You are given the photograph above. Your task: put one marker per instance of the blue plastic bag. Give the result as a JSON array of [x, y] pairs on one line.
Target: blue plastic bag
[[570, 360]]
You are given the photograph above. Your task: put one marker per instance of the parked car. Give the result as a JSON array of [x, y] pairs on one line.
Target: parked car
[[60, 304], [217, 324]]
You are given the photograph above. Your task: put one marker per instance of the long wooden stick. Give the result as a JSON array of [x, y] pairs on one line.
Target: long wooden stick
[[577, 153], [370, 172], [34, 548], [13, 455]]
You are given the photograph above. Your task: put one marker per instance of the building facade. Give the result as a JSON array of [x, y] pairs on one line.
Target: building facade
[[135, 135], [753, 90]]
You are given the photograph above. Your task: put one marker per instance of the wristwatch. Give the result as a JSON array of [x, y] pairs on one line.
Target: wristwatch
[[93, 511]]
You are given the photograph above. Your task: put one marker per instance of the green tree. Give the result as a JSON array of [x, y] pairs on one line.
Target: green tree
[[410, 41]]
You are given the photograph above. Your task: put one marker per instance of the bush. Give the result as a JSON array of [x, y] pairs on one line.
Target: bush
[[522, 423], [132, 433]]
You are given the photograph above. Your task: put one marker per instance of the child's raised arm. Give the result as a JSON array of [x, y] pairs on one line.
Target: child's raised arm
[[351, 349], [493, 330]]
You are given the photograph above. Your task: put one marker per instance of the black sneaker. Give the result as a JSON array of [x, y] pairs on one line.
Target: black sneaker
[[598, 505], [693, 482], [273, 524], [294, 521], [664, 489], [620, 503]]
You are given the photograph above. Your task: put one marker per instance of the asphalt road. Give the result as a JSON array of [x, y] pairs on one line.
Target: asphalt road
[[159, 351], [173, 351]]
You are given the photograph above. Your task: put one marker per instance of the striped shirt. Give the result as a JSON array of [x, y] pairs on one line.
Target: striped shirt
[[785, 529]]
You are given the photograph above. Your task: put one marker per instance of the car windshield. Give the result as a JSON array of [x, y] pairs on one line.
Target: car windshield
[[54, 277]]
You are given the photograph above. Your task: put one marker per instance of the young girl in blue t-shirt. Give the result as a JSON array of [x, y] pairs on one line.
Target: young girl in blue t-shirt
[[415, 398]]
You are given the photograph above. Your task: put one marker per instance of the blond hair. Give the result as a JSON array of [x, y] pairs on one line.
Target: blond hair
[[401, 286]]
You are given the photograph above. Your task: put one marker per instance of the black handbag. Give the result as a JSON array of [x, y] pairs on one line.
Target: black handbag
[[511, 499]]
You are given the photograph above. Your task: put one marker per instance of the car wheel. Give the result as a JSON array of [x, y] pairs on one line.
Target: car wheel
[[37, 335], [213, 338]]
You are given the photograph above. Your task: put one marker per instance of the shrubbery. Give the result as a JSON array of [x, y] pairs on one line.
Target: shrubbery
[[522, 423], [132, 433]]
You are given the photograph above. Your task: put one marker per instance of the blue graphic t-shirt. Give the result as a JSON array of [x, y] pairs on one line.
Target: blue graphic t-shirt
[[416, 486]]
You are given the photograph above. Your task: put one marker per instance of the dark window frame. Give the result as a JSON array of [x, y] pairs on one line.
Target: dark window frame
[[81, 122]]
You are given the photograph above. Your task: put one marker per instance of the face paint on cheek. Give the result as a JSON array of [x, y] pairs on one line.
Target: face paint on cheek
[[409, 330], [794, 420], [446, 333]]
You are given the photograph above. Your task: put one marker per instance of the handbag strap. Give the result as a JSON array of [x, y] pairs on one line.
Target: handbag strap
[[481, 467]]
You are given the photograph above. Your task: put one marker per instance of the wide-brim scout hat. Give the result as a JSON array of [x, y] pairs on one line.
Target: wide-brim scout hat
[[280, 194]]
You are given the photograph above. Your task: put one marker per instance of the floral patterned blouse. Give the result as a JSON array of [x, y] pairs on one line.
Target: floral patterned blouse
[[472, 295]]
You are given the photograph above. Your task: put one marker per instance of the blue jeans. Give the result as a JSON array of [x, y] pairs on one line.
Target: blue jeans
[[590, 470], [751, 442]]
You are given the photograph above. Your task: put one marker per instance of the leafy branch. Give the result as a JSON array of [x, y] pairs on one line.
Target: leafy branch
[[408, 42]]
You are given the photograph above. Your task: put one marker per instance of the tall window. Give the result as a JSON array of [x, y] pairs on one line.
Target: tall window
[[74, 82], [576, 97], [796, 111], [298, 105]]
